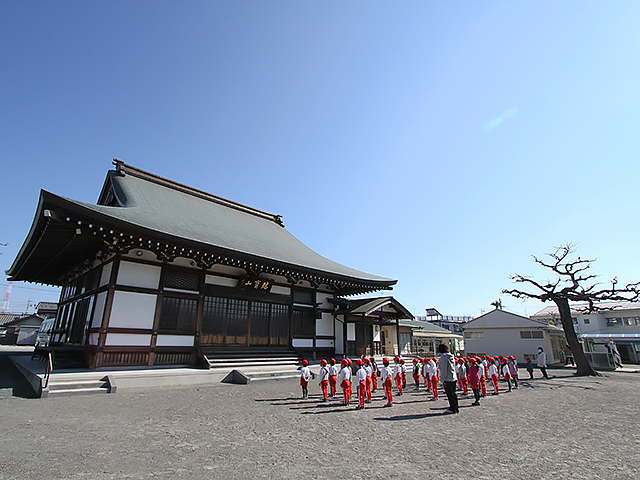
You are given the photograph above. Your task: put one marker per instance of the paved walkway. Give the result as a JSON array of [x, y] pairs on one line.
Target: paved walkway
[[564, 427]]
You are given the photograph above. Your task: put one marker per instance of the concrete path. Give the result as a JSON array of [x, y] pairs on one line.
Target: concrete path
[[564, 428]]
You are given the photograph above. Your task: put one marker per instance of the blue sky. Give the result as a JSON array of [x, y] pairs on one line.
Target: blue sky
[[437, 143]]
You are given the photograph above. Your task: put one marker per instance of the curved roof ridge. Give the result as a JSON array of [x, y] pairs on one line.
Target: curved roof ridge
[[124, 169]]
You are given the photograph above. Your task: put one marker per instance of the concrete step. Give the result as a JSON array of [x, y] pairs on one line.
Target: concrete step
[[271, 375], [77, 391], [76, 385]]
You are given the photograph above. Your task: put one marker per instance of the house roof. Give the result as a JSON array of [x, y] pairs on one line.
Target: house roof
[[26, 320], [6, 318], [578, 308], [138, 209], [503, 319]]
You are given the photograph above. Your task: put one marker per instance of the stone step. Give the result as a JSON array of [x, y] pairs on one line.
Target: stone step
[[248, 363]]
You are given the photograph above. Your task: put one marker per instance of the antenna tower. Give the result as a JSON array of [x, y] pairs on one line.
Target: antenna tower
[[5, 304]]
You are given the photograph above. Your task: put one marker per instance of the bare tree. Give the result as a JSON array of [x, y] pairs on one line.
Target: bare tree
[[573, 284]]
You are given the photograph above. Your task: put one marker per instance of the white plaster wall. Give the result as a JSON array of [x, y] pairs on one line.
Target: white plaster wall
[[128, 340], [351, 332], [96, 321], [504, 341], [93, 338], [175, 341], [324, 343], [302, 342], [324, 325], [323, 300], [339, 337], [228, 270], [138, 275], [183, 262], [106, 273], [376, 333], [133, 310], [221, 281], [281, 290]]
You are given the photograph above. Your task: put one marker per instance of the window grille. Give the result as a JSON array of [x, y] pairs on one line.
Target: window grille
[[182, 280]]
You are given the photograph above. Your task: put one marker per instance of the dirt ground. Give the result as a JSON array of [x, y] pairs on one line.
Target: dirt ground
[[564, 427]]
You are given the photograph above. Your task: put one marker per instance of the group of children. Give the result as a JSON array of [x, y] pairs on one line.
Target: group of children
[[471, 372]]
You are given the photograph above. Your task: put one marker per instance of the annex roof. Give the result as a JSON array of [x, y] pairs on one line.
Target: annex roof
[[422, 328], [144, 209], [384, 308]]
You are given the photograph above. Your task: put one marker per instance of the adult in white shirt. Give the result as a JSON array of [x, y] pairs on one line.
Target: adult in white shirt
[[542, 362]]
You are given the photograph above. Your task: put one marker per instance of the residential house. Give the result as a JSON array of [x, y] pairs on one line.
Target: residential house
[[500, 332]]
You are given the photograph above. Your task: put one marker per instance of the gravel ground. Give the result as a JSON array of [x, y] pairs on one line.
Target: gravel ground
[[564, 427]]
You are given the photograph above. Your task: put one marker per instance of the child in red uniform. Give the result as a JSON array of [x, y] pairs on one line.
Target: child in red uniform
[[324, 380], [416, 373], [305, 373], [506, 373], [367, 369], [474, 378], [345, 380], [333, 377], [433, 373], [387, 382], [462, 375], [425, 373], [513, 369], [483, 375], [397, 373], [403, 369], [493, 373], [374, 375], [361, 380]]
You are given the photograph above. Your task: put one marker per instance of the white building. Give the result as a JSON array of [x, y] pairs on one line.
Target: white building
[[617, 322], [504, 333]]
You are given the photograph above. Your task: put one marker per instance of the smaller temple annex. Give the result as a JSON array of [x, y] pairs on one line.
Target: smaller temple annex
[[159, 273]]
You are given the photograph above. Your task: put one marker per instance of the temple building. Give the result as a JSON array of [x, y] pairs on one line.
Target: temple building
[[159, 273]]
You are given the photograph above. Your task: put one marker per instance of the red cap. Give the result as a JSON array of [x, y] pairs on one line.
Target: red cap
[[365, 360], [372, 359], [416, 360], [425, 360], [396, 358], [349, 360], [358, 362], [528, 359], [323, 362], [345, 361], [304, 362], [385, 360], [332, 361]]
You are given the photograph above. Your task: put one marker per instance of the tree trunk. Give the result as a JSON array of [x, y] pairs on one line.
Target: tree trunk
[[582, 363]]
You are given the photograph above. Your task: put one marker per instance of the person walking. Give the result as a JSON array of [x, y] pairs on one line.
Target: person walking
[[447, 368], [542, 362]]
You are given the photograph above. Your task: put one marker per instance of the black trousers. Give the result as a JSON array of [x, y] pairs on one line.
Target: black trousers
[[450, 390], [544, 372]]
